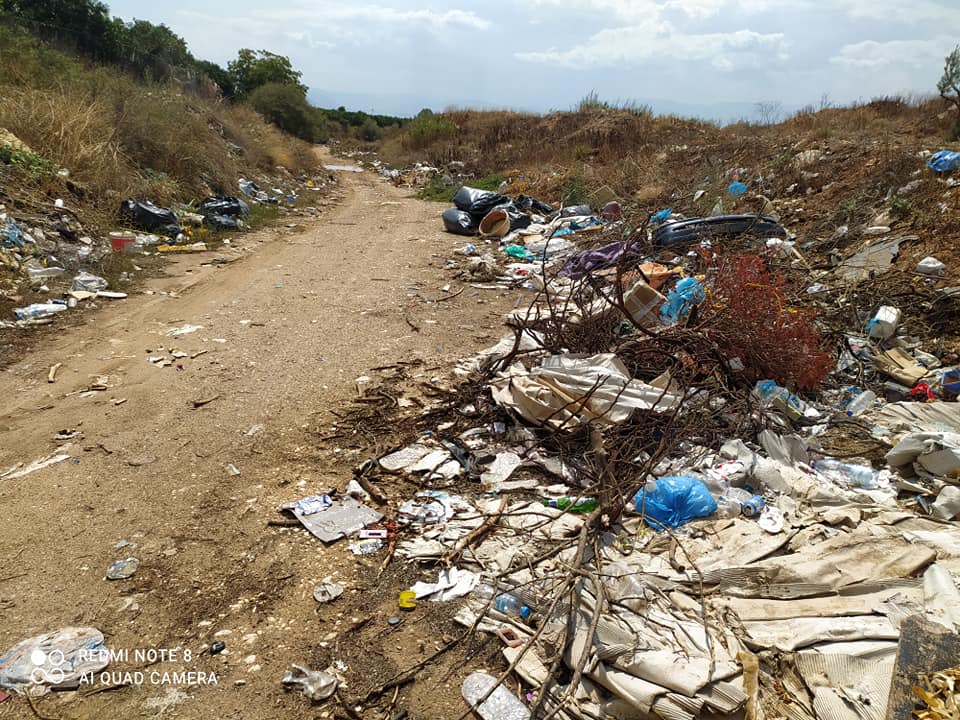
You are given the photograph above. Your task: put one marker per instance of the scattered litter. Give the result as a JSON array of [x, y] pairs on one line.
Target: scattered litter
[[452, 583], [315, 684], [57, 658], [14, 473], [327, 592], [330, 520], [122, 569]]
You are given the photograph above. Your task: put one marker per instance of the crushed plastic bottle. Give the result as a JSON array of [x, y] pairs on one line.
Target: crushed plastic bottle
[[858, 476], [501, 705], [860, 403], [39, 310]]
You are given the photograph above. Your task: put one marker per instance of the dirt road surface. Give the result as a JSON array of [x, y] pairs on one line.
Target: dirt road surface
[[285, 329]]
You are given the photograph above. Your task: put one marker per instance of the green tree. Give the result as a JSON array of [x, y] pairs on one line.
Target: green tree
[[287, 108], [254, 69], [153, 52], [370, 131], [80, 25], [949, 86], [221, 77]]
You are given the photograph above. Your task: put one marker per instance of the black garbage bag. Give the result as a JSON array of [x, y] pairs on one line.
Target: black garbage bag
[[147, 216], [525, 202], [478, 202], [696, 229], [518, 219], [220, 222], [229, 206], [459, 222]]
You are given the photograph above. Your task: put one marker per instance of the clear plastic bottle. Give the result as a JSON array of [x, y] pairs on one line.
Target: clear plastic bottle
[[39, 310], [509, 605], [859, 476], [860, 403]]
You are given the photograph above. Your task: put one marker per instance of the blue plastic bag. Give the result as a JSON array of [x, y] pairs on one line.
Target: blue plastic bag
[[681, 299], [736, 189], [661, 217], [674, 501], [944, 161]]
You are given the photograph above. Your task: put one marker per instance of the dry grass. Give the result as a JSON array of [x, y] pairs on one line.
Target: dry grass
[[119, 138]]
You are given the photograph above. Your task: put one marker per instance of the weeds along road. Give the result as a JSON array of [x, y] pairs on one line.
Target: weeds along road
[[286, 327]]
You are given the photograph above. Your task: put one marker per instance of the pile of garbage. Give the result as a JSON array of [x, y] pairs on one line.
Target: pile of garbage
[[44, 250], [652, 525]]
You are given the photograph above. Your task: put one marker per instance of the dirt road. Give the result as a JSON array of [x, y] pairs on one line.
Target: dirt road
[[285, 328]]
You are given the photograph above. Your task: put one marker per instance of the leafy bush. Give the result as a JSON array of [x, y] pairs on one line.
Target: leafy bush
[[287, 108], [426, 129]]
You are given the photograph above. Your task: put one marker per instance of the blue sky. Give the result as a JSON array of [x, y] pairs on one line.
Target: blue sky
[[712, 58]]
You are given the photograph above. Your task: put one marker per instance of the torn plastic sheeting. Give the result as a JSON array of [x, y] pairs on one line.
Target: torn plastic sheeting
[[913, 416], [55, 658], [566, 390], [793, 633], [863, 555], [315, 684], [936, 452], [404, 457], [941, 599], [527, 343], [452, 583], [674, 501], [748, 609], [874, 258], [500, 470], [947, 504], [659, 646], [343, 517], [431, 506], [847, 688]]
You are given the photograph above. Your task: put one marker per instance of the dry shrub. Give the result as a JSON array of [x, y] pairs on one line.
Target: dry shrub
[[71, 128], [748, 317]]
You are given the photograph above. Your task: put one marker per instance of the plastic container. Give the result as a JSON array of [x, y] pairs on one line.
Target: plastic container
[[39, 310], [858, 476], [772, 395], [860, 403], [727, 507], [509, 605], [884, 323], [121, 241], [44, 273], [573, 504]]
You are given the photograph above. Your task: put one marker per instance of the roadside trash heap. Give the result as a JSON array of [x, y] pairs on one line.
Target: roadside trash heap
[[678, 489], [52, 254]]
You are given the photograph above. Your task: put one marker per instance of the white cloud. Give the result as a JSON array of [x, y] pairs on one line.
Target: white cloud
[[871, 54], [380, 15], [658, 41], [942, 14], [637, 11]]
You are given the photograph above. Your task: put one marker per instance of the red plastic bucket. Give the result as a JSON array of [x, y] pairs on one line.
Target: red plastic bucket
[[119, 241]]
